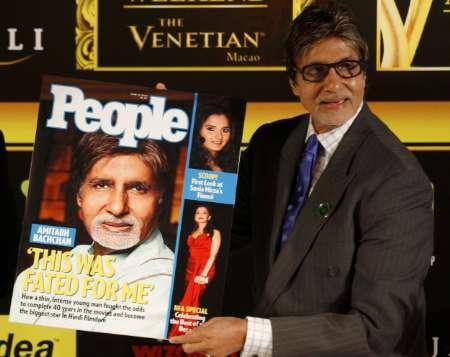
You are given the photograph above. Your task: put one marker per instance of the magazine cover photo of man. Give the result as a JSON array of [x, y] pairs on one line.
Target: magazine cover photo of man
[[119, 194]]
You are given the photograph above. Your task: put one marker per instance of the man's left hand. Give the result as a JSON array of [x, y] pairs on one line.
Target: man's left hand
[[217, 337]]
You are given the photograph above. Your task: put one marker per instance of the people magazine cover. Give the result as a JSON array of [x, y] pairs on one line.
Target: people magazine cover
[[129, 209]]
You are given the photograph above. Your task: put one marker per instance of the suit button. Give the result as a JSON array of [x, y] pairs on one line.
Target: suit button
[[333, 271]]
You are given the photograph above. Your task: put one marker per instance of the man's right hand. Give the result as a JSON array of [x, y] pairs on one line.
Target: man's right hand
[[218, 337]]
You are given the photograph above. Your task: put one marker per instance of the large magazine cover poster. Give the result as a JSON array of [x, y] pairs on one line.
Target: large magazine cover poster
[[129, 209]]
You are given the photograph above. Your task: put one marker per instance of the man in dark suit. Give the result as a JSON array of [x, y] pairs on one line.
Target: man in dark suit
[[342, 274]]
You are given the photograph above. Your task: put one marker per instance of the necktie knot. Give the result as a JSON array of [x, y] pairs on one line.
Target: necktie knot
[[312, 145]]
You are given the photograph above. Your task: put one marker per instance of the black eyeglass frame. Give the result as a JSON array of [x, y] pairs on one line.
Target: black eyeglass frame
[[362, 68]]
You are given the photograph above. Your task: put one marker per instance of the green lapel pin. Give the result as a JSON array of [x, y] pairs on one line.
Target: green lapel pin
[[324, 209]]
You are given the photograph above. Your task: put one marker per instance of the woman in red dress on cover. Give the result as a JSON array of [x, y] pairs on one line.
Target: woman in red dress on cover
[[203, 243]]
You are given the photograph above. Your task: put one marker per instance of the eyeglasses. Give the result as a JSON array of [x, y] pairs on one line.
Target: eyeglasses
[[317, 72]]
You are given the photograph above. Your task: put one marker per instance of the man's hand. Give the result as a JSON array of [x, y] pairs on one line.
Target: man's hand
[[160, 86], [217, 337]]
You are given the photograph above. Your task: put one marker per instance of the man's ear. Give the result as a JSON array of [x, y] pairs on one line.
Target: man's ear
[[294, 88], [365, 84], [79, 201]]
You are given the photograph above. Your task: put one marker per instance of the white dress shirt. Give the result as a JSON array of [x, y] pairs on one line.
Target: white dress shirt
[[259, 341]]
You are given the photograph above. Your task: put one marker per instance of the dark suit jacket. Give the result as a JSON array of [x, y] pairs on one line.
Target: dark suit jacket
[[349, 280]]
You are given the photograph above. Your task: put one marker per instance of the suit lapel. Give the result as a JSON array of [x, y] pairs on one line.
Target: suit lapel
[[315, 213], [290, 156]]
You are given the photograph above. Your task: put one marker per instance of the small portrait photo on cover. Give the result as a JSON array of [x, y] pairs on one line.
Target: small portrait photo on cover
[[216, 137]]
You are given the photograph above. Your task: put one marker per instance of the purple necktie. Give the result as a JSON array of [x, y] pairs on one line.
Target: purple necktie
[[301, 189]]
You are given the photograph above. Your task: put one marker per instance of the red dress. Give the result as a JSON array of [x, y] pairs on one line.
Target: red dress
[[199, 252]]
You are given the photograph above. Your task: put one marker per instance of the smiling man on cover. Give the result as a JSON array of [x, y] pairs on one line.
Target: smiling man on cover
[[119, 193]]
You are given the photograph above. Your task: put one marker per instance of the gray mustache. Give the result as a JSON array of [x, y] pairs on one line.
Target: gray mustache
[[106, 217]]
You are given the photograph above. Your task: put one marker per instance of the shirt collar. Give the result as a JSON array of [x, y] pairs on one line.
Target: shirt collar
[[331, 139]]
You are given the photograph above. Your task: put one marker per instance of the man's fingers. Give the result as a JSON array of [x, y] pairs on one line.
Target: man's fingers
[[188, 338], [219, 336], [195, 347], [193, 341], [160, 86], [207, 323]]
